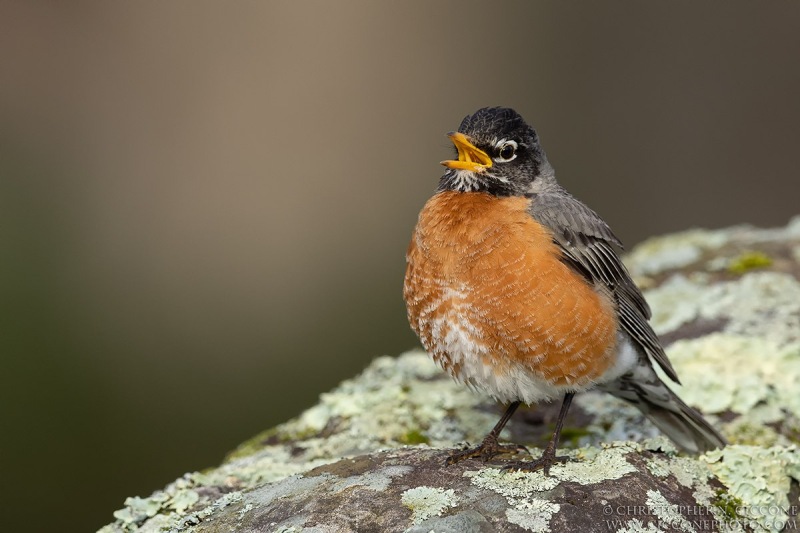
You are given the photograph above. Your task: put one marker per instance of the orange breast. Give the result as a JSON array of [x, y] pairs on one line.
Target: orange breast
[[484, 279]]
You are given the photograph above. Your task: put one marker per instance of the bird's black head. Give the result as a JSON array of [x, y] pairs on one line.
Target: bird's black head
[[498, 153]]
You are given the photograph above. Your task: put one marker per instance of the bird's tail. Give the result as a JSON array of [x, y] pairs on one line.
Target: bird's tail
[[682, 424]]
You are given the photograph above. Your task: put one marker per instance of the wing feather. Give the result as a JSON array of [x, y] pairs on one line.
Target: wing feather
[[587, 244]]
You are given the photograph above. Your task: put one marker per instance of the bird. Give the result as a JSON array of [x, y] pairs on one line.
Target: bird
[[516, 288]]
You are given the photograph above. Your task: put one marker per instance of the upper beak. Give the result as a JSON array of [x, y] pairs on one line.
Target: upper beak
[[469, 157]]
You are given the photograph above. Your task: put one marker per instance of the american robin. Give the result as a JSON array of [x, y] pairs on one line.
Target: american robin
[[515, 288]]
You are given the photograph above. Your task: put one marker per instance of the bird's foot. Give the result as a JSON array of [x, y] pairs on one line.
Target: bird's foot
[[488, 449], [543, 463]]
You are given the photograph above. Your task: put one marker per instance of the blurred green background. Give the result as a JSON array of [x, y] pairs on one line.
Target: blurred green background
[[204, 206]]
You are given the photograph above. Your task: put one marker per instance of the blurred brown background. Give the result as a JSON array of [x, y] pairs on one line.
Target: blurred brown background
[[204, 207]]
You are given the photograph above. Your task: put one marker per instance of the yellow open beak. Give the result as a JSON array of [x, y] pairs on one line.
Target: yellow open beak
[[469, 157]]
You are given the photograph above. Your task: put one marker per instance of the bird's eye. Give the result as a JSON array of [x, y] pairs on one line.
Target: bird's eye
[[506, 151]]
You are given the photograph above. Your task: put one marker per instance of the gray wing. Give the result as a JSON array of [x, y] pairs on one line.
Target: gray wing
[[588, 246]]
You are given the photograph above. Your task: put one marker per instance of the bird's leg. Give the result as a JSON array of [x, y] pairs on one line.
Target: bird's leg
[[490, 447], [548, 457]]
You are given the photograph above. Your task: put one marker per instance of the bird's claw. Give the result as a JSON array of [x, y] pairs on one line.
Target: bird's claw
[[543, 463], [488, 450]]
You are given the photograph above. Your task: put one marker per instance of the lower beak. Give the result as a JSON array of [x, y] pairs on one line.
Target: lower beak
[[469, 157]]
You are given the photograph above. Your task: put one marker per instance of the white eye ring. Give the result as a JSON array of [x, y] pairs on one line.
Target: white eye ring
[[503, 145]]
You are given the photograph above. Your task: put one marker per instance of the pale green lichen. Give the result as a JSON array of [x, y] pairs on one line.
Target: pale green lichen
[[759, 381], [270, 463], [688, 471], [597, 464], [758, 316], [677, 250], [672, 303], [613, 419], [658, 468], [796, 253], [244, 510], [750, 367], [426, 502], [750, 429], [757, 372], [740, 306], [591, 465], [186, 522], [533, 515], [666, 512], [393, 402], [661, 254], [710, 508], [174, 501], [661, 444], [519, 490], [516, 487], [661, 464], [184, 500], [752, 377], [760, 478], [137, 509]]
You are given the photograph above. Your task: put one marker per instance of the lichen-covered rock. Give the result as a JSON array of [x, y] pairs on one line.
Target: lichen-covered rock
[[410, 490], [370, 455]]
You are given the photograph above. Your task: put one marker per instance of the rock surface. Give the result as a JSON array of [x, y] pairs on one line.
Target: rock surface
[[369, 456]]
